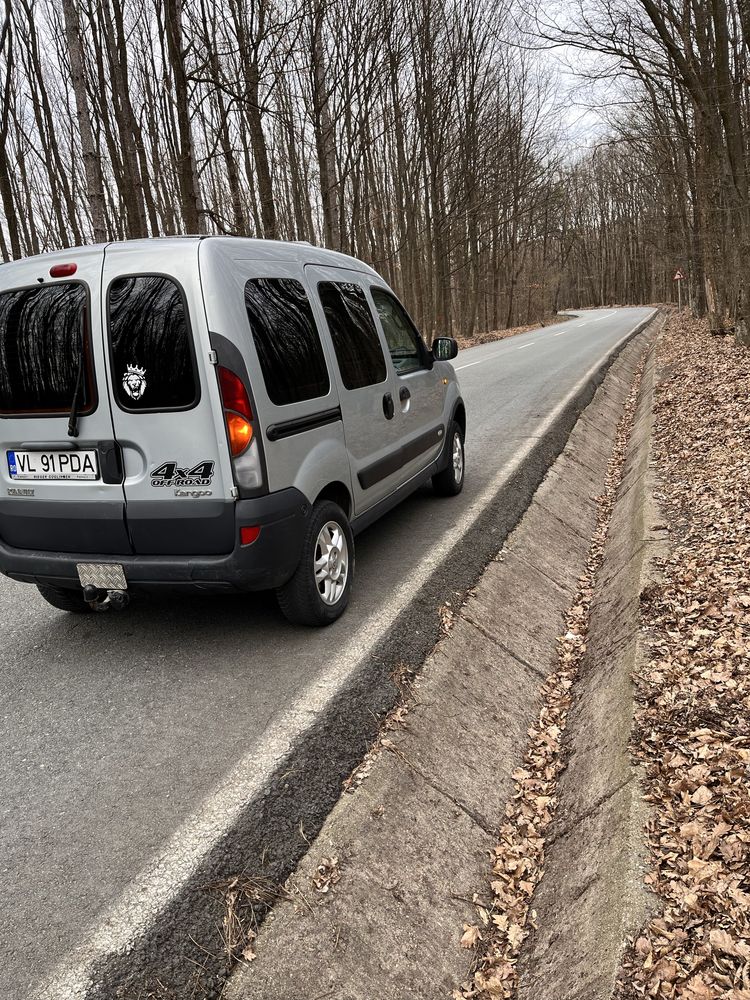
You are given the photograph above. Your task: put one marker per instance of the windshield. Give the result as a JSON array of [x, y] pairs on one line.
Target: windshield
[[40, 349]]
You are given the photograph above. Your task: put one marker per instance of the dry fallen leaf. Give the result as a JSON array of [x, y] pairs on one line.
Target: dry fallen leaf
[[326, 875], [471, 936], [701, 796]]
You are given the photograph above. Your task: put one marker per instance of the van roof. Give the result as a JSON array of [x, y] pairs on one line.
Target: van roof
[[238, 247]]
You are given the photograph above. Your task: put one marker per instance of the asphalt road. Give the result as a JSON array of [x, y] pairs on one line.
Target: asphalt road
[[117, 727]]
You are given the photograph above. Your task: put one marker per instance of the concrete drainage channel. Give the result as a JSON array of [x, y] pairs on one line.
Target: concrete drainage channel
[[413, 844], [450, 776], [593, 895]]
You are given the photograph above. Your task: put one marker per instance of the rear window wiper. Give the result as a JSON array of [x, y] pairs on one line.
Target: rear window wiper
[[73, 418]]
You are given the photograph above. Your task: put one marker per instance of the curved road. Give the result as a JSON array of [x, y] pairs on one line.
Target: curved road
[[117, 727]]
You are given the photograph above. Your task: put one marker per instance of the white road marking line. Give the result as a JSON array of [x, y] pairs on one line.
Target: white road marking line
[[160, 881], [460, 368], [471, 364], [597, 318], [524, 346]]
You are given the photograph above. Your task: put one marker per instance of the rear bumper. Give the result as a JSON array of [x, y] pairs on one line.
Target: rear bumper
[[268, 562]]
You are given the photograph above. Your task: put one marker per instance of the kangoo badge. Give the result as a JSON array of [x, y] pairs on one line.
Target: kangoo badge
[[134, 381]]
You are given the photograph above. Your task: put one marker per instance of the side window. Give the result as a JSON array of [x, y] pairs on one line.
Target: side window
[[152, 349], [404, 343], [355, 340], [286, 339]]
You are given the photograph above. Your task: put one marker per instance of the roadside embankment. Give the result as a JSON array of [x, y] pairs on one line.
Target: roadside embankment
[[378, 905], [692, 732]]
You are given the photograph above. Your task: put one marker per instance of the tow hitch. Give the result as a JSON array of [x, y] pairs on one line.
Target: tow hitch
[[104, 586], [105, 600]]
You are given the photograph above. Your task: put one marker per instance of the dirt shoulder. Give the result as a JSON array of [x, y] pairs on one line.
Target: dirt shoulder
[[692, 721]]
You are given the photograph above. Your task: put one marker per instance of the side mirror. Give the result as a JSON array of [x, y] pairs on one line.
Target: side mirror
[[444, 349]]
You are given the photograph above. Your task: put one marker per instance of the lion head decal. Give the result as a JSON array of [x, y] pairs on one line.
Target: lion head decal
[[134, 381]]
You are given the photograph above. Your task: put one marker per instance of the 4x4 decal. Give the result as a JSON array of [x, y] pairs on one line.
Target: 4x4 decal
[[169, 474]]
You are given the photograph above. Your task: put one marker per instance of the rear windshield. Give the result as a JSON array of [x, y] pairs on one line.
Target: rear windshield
[[152, 347], [44, 340]]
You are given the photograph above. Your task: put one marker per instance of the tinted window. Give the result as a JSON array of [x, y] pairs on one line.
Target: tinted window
[[286, 339], [355, 339], [404, 342], [43, 331], [152, 352]]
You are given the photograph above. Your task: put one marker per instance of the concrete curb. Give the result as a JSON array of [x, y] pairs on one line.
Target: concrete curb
[[413, 841], [173, 945], [592, 896]]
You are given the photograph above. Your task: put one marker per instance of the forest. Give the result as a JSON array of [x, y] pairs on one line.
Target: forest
[[431, 138]]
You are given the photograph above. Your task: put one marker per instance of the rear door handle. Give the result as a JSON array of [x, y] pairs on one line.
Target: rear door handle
[[388, 407], [404, 394]]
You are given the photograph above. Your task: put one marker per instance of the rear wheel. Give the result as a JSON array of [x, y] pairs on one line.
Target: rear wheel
[[450, 481], [64, 599], [318, 593]]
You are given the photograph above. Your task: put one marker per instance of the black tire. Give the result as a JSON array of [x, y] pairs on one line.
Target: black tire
[[449, 482], [64, 599], [300, 599]]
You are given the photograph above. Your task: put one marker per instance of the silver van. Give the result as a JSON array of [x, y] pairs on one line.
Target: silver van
[[215, 414]]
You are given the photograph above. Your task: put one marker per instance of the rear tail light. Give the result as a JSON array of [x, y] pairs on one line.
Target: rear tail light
[[237, 411], [234, 394], [242, 434]]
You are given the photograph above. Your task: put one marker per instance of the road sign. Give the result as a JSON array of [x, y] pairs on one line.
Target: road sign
[[679, 277]]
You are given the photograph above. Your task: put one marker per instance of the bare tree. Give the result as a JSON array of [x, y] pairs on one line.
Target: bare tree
[[418, 136], [91, 164], [6, 190], [187, 171]]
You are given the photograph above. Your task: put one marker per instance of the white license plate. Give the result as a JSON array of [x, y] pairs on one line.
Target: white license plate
[[39, 465]]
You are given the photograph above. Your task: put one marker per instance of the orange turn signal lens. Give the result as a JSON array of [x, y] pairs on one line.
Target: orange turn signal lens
[[240, 433]]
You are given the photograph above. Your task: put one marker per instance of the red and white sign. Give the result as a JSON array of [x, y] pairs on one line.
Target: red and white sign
[[679, 275]]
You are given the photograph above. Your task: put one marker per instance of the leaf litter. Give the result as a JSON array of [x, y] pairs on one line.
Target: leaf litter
[[692, 734]]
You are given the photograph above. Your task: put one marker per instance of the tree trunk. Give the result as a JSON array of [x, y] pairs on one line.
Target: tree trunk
[[260, 155], [187, 173], [6, 190], [125, 118], [324, 136]]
